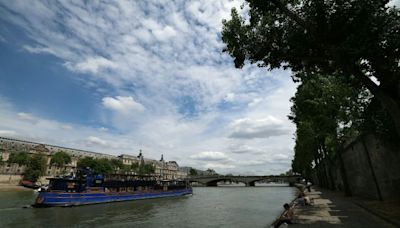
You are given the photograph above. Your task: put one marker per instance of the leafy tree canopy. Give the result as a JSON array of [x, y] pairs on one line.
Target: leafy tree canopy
[[353, 39], [20, 158], [192, 172], [102, 165], [116, 164], [145, 169], [326, 113], [35, 168], [211, 171], [60, 158]]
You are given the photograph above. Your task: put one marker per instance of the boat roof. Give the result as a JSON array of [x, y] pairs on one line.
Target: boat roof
[[63, 178]]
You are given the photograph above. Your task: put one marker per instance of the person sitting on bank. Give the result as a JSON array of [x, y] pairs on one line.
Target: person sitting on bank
[[286, 217], [300, 199], [303, 200]]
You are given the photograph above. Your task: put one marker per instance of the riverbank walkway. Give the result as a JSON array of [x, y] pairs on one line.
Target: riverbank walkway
[[332, 209]]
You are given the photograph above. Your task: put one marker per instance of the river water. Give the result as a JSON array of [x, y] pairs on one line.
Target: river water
[[208, 207]]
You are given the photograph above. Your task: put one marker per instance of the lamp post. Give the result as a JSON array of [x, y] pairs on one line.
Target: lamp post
[[162, 167]]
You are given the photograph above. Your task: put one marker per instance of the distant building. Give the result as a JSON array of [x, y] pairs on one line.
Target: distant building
[[128, 159], [165, 170], [186, 170]]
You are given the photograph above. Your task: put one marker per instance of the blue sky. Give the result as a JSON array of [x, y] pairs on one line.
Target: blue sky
[[121, 76]]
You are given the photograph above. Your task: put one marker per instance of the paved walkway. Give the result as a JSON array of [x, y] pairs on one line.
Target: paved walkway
[[332, 209]]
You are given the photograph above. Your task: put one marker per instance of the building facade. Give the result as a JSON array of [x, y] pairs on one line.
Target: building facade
[[164, 170]]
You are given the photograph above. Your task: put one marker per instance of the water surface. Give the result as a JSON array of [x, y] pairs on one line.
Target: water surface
[[207, 207]]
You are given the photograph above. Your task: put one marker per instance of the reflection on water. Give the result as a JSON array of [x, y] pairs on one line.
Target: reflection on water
[[208, 207]]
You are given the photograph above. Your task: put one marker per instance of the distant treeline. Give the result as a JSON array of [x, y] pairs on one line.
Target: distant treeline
[[36, 164]]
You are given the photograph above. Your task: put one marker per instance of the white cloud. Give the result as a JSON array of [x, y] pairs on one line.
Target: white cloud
[[230, 97], [210, 156], [219, 166], [103, 129], [8, 133], [93, 140], [38, 50], [257, 128], [245, 149], [92, 65], [255, 102], [123, 105], [179, 94], [27, 117], [66, 127]]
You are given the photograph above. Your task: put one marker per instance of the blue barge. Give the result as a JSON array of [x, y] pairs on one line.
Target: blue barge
[[94, 189]]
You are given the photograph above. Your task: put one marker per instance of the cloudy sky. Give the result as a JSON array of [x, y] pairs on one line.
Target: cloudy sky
[[121, 76]]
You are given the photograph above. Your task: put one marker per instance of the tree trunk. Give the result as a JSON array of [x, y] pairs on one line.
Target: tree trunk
[[346, 186], [390, 104]]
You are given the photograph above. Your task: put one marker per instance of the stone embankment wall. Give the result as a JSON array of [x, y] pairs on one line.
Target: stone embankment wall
[[14, 179], [372, 168], [10, 179]]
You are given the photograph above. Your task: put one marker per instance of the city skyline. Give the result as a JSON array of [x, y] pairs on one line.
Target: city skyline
[[118, 77]]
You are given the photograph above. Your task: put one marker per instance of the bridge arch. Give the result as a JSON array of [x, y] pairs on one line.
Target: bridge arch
[[247, 180], [215, 181]]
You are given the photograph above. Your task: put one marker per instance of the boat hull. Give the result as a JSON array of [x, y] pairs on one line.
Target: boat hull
[[51, 199], [29, 184]]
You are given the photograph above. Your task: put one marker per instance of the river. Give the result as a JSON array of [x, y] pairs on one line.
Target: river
[[225, 206]]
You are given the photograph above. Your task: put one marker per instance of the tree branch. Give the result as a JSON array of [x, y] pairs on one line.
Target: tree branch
[[292, 15], [387, 101]]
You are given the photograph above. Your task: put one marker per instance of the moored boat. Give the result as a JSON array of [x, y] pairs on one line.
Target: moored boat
[[93, 189], [29, 184]]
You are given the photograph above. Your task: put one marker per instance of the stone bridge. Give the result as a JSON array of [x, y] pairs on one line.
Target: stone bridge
[[247, 180]]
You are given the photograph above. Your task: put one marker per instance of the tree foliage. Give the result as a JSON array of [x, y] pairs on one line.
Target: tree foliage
[[146, 169], [135, 166], [326, 113], [60, 159], [102, 165], [211, 171], [106, 166], [193, 172], [21, 158], [35, 167], [116, 164], [143, 169], [354, 40]]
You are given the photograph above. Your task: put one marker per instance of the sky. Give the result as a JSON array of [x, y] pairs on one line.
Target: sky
[[119, 76]]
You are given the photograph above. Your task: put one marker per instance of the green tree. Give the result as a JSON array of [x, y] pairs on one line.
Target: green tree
[[60, 159], [102, 165], [193, 172], [21, 158], [117, 164], [211, 171], [352, 39], [86, 162], [145, 169], [126, 169], [35, 168], [326, 113], [135, 167]]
